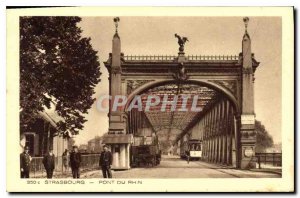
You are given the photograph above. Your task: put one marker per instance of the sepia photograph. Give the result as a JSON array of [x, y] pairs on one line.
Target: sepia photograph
[[113, 99]]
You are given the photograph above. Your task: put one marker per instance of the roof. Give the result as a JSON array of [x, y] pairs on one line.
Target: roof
[[48, 118], [50, 115], [117, 139]]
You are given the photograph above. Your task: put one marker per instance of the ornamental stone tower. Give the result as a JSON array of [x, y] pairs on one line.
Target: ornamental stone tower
[[247, 129], [116, 137], [116, 124]]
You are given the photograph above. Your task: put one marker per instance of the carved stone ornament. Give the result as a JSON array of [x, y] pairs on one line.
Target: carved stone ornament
[[247, 71], [181, 74], [248, 119], [248, 135], [134, 84], [248, 152], [115, 70], [230, 85]]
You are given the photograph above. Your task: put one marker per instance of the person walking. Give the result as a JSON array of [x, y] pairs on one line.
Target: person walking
[[49, 163], [105, 162], [66, 160], [25, 160], [187, 156], [75, 160]]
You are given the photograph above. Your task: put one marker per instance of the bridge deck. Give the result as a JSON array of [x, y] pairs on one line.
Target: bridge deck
[[174, 167]]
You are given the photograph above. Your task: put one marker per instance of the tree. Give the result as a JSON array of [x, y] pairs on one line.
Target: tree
[[58, 66], [263, 138]]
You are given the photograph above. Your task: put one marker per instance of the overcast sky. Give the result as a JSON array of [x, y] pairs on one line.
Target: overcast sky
[[207, 36]]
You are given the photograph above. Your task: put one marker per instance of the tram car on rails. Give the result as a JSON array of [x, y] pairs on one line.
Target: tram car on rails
[[192, 149]]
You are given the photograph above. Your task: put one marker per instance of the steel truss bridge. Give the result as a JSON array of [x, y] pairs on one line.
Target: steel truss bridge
[[223, 85]]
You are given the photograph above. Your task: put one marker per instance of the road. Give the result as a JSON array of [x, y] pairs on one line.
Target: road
[[174, 167]]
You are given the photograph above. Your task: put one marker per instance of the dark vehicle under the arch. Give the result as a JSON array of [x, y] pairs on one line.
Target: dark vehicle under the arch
[[146, 154]]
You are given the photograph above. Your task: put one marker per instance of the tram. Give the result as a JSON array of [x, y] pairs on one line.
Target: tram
[[192, 149]]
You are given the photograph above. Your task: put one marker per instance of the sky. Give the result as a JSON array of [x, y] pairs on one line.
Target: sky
[[207, 36]]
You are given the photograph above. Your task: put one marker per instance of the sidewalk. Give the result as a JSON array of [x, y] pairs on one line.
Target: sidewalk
[[241, 173], [269, 170], [59, 174]]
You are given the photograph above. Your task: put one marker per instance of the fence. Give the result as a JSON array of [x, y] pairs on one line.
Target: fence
[[90, 161], [37, 167], [37, 170], [172, 58], [269, 159], [149, 58], [213, 57]]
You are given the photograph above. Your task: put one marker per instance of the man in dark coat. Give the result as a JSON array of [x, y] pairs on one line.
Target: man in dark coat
[[25, 160], [105, 162], [187, 154], [49, 163], [75, 160]]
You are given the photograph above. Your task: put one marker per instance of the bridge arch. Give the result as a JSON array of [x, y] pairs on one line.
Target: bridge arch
[[151, 84]]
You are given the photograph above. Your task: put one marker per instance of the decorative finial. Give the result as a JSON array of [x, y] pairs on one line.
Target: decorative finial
[[116, 20], [246, 21]]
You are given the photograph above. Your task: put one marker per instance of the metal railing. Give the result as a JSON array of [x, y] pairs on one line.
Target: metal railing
[[266, 160], [37, 167], [171, 58], [213, 57], [37, 170], [149, 58], [90, 161]]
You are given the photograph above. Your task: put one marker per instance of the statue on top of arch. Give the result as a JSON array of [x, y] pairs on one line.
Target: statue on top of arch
[[181, 42]]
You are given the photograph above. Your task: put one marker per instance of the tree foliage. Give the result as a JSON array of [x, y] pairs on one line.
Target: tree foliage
[[58, 66], [263, 138]]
